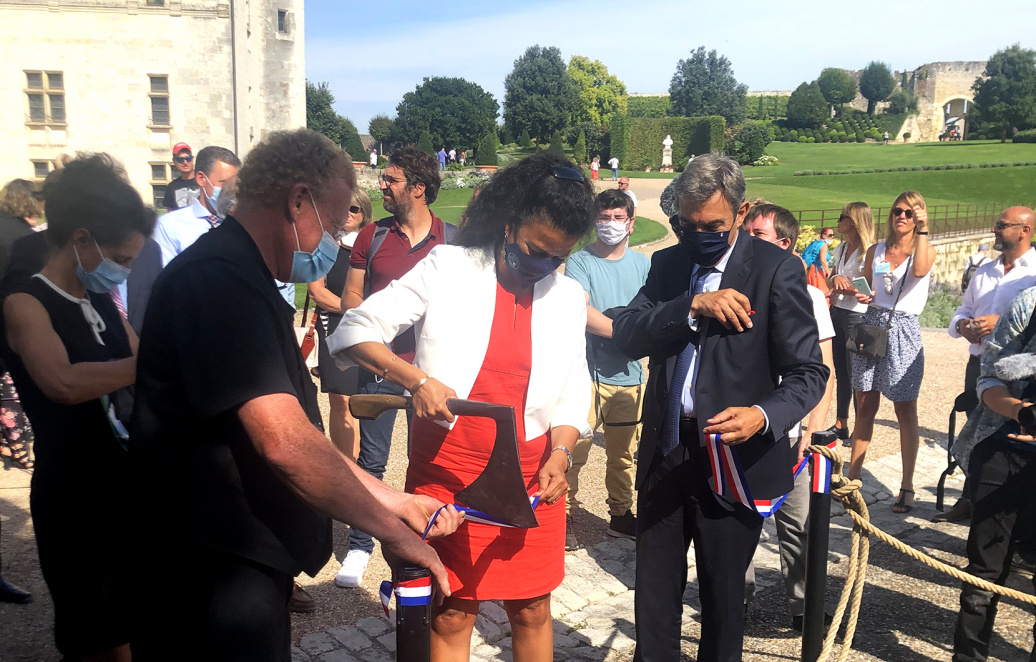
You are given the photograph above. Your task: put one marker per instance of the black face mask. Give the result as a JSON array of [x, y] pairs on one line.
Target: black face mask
[[704, 248]]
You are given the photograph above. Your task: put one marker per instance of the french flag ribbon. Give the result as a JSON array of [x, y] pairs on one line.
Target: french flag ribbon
[[409, 593], [822, 471], [728, 479]]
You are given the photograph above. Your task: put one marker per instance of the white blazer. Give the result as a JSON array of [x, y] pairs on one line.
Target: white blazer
[[449, 299]]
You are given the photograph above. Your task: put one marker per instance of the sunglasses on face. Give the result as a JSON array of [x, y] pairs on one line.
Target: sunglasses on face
[[183, 159], [899, 211], [564, 172], [354, 209], [1000, 225]]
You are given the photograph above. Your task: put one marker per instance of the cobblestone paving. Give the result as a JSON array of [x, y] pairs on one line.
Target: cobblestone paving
[[593, 608]]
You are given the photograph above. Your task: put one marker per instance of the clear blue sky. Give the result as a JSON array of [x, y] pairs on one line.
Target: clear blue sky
[[372, 53]]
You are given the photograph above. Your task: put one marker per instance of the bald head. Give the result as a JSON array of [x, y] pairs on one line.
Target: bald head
[[1014, 231]]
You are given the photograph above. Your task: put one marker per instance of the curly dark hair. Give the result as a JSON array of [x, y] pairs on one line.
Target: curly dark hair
[[93, 192], [531, 188], [419, 168], [287, 158], [613, 198]]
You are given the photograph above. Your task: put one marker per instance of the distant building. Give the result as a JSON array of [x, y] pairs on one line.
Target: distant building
[[134, 77]]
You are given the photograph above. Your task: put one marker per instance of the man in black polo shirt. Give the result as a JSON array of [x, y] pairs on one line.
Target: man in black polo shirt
[[383, 252], [234, 480]]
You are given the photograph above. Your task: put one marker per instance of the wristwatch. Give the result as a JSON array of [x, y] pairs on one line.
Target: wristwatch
[[568, 454]]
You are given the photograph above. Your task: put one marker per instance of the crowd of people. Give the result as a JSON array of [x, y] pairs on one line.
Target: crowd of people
[[155, 446]]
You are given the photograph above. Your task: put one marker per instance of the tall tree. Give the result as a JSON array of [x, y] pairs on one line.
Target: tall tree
[[1005, 95], [704, 84], [807, 107], [876, 84], [837, 86], [455, 113], [381, 128], [321, 117], [539, 95], [600, 93]]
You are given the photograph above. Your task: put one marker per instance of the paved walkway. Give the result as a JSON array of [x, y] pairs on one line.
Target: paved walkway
[[593, 608]]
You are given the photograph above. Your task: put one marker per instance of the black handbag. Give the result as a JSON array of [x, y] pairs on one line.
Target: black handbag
[[872, 340]]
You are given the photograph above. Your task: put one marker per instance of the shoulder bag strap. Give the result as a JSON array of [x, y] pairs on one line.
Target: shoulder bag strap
[[902, 284]]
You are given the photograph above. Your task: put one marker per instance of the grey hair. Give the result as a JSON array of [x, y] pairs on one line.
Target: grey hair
[[707, 174]]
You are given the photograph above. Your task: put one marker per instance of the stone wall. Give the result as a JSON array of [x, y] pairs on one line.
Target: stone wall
[[106, 51], [952, 252]]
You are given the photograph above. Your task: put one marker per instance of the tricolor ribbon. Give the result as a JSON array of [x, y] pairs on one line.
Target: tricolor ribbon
[[409, 593]]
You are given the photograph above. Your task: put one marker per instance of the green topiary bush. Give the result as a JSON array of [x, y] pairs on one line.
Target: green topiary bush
[[557, 144], [1026, 136], [524, 140], [485, 153]]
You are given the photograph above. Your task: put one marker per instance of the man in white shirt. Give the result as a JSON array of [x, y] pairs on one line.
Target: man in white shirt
[[779, 226], [374, 158], [624, 186], [175, 231], [613, 163], [989, 293]]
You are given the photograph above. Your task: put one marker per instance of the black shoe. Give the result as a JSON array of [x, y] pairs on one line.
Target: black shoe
[[12, 594], [841, 433], [796, 622], [623, 526]]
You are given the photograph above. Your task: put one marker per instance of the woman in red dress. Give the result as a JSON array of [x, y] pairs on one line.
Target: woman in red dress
[[494, 323]]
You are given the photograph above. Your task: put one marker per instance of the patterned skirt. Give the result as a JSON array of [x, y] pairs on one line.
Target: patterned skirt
[[898, 376]]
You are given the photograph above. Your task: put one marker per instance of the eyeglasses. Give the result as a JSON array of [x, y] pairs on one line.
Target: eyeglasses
[[843, 217], [604, 218], [899, 211], [1000, 225], [389, 181], [354, 209], [183, 159], [564, 172]]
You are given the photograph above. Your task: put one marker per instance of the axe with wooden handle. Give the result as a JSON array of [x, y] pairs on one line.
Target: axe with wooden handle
[[499, 491]]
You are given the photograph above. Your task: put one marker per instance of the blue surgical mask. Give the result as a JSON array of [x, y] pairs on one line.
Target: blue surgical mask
[[528, 270], [308, 267], [215, 193], [106, 277]]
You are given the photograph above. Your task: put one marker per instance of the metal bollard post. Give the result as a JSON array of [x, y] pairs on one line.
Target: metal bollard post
[[414, 615], [818, 536]]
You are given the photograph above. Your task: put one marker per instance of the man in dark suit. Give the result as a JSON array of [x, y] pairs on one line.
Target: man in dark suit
[[734, 362]]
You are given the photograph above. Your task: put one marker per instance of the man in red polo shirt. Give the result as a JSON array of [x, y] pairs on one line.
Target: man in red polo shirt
[[383, 252]]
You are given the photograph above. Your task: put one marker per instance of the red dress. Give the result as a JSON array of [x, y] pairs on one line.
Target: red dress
[[488, 562]]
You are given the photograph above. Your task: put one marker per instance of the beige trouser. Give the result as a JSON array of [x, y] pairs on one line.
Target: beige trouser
[[617, 404]]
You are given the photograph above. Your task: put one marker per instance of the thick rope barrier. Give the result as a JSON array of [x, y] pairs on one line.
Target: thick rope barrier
[[847, 492]]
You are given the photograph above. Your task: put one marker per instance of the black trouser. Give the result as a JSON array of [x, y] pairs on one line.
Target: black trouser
[[971, 373], [1002, 497], [843, 320], [210, 605], [675, 506]]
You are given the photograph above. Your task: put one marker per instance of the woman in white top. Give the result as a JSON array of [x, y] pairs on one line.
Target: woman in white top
[[494, 322], [898, 271], [856, 224]]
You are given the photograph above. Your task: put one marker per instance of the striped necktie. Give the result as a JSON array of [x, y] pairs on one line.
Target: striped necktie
[[119, 303], [671, 422], [213, 220]]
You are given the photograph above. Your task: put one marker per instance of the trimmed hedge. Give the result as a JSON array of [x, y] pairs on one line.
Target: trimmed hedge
[[1027, 136], [637, 141], [948, 166]]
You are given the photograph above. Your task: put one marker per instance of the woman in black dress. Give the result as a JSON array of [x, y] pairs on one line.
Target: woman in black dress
[[327, 293], [72, 356]]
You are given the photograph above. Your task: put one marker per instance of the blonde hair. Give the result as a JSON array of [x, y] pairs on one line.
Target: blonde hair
[[911, 198], [18, 199], [363, 201], [863, 221]]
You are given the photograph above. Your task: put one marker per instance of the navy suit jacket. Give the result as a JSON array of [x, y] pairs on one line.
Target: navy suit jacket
[[776, 364]]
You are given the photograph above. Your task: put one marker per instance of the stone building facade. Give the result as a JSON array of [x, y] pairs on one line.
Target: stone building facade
[[134, 77]]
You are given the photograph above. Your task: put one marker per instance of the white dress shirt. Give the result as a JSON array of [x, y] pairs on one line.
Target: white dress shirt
[[991, 290]]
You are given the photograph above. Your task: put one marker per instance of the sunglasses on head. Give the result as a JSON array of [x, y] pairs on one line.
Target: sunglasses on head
[[183, 159], [564, 172], [354, 209], [899, 211]]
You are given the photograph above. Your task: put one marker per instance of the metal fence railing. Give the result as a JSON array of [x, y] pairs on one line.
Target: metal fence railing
[[943, 220]]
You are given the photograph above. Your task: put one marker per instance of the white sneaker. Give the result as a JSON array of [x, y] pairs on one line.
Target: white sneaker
[[350, 575]]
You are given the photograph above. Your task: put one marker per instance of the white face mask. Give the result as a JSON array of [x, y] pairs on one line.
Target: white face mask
[[612, 232]]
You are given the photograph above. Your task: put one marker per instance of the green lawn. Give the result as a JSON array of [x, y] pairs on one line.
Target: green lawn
[[1013, 185]]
